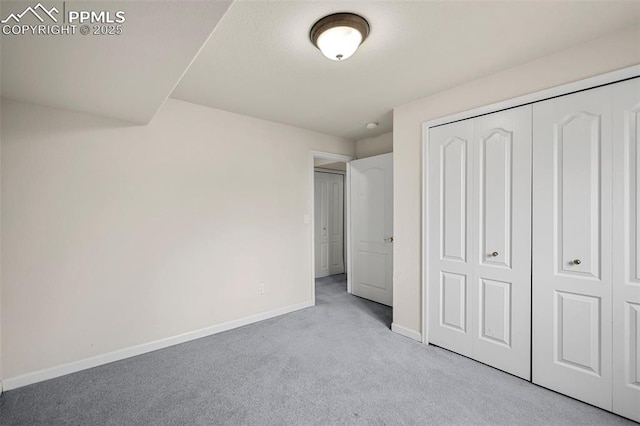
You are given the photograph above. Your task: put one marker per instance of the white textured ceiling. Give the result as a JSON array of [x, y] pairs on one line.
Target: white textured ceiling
[[125, 76], [259, 61]]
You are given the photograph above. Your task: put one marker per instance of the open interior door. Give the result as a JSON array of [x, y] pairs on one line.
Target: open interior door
[[372, 228]]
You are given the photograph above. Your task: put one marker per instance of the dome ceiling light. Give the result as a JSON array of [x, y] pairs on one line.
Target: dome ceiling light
[[339, 35]]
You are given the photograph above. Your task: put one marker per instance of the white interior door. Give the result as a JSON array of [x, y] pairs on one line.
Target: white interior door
[[372, 228], [479, 227], [626, 249], [329, 223], [572, 245]]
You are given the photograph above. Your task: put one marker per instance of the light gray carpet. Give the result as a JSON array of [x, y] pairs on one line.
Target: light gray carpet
[[336, 363]]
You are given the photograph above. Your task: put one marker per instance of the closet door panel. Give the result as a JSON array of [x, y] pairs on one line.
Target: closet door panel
[[495, 192], [449, 240], [626, 249], [453, 157], [502, 256], [577, 155], [572, 245]]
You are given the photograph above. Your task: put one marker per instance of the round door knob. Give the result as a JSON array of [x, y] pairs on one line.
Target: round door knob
[[577, 261], [494, 254]]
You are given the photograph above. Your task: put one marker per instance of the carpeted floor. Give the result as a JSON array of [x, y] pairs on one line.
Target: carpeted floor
[[335, 363]]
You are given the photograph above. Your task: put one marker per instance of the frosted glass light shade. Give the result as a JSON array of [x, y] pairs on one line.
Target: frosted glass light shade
[[338, 36], [338, 43]]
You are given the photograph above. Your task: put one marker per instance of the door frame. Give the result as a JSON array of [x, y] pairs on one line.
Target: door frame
[[565, 89], [347, 218]]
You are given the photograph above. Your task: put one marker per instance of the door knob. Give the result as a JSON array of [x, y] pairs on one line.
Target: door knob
[[390, 239], [494, 254], [577, 261]]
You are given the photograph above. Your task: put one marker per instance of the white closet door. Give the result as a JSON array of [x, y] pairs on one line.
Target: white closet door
[[480, 239], [501, 290], [626, 251], [321, 225], [450, 268], [329, 223], [572, 245]]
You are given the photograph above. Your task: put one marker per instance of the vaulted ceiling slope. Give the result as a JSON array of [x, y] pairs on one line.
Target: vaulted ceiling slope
[[126, 76], [260, 62]]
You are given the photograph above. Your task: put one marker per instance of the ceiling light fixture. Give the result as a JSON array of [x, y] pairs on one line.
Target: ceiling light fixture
[[338, 36], [371, 125]]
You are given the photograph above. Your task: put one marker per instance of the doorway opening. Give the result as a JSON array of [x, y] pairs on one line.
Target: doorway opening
[[358, 248], [330, 227]]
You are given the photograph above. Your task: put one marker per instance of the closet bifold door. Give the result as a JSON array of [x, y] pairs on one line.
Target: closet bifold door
[[572, 245], [501, 290], [479, 234], [626, 249], [450, 267]]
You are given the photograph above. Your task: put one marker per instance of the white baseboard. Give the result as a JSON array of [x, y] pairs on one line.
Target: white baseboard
[[406, 332], [72, 367]]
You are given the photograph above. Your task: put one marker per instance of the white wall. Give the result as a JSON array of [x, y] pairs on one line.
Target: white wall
[[1, 373], [115, 235], [330, 164], [618, 50], [376, 145], [339, 166]]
